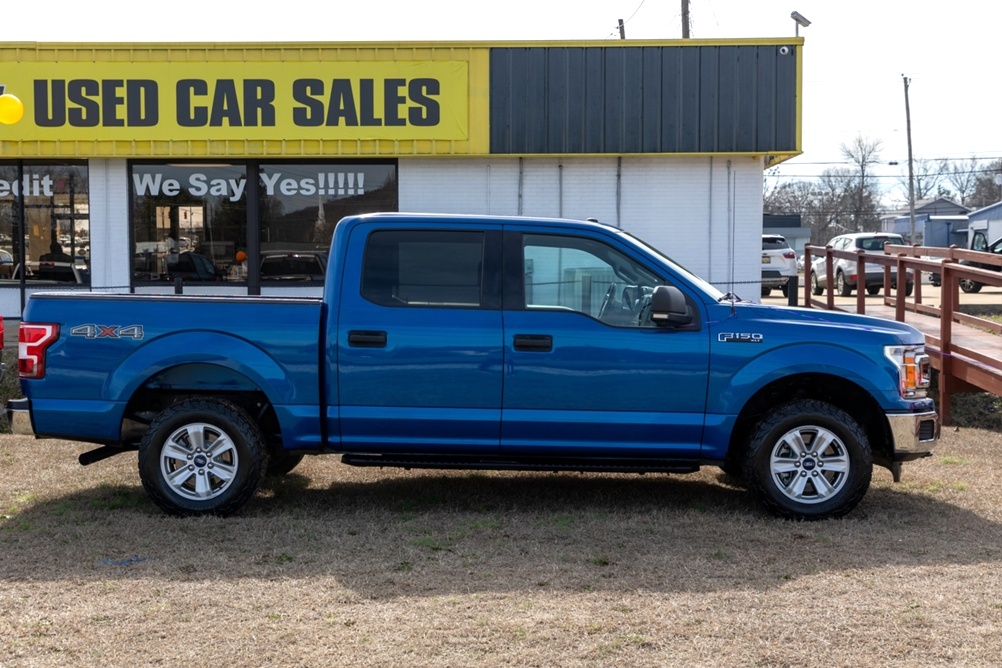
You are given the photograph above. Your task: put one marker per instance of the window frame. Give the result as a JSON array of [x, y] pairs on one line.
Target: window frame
[[490, 283], [514, 246]]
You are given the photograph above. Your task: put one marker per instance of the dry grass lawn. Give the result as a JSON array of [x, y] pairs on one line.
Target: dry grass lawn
[[342, 566]]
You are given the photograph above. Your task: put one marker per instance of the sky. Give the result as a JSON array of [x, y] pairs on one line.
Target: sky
[[855, 53]]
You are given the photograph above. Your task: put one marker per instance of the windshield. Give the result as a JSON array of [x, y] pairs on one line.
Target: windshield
[[695, 280]]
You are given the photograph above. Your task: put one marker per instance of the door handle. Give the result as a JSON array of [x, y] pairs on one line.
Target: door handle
[[534, 343], [367, 339]]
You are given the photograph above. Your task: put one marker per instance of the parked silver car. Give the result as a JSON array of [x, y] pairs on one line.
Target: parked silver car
[[844, 271]]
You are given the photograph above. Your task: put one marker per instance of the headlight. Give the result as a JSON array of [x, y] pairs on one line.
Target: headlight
[[913, 369]]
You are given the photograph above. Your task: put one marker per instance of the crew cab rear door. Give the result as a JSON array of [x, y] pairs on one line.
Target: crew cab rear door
[[586, 372], [419, 340]]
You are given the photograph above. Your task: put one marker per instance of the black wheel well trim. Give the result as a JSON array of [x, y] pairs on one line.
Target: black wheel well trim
[[835, 390], [250, 398]]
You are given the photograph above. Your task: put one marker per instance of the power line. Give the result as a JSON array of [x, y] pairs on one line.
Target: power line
[[848, 162]]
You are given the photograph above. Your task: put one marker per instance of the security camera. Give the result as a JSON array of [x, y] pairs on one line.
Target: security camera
[[785, 50], [799, 18]]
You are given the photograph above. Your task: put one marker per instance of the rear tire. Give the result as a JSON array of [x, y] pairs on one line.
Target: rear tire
[[808, 460], [202, 456], [970, 286], [872, 289]]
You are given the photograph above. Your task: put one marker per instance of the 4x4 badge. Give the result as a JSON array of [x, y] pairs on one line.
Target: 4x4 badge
[[108, 331]]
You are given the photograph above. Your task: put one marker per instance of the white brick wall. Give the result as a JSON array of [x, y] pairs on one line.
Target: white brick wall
[[109, 224], [706, 213]]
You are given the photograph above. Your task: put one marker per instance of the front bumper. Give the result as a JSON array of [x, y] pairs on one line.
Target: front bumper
[[913, 435], [19, 417]]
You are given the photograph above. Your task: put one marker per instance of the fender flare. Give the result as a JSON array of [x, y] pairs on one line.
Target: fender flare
[[200, 347], [806, 358]]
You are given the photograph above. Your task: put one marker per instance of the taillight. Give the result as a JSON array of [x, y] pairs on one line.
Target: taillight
[[789, 255], [32, 340]]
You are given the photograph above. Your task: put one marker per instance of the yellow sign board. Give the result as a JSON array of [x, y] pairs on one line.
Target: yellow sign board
[[292, 100], [396, 100]]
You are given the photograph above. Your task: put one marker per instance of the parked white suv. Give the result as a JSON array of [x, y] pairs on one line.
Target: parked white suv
[[844, 271], [779, 263]]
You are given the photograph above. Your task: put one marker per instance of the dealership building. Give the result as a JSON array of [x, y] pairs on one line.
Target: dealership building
[[129, 167]]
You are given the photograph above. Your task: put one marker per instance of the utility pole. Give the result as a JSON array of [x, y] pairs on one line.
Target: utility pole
[[911, 172], [685, 19], [622, 30]]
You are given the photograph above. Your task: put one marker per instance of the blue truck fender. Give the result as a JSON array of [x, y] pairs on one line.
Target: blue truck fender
[[736, 388], [213, 348]]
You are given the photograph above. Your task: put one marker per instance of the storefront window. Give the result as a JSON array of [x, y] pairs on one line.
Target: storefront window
[[56, 232], [192, 221], [189, 221], [301, 204]]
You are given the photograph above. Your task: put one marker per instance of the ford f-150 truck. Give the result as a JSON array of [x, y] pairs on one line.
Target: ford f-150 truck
[[478, 342]]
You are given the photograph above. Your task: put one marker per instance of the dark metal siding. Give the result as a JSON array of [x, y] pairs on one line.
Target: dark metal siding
[[649, 99]]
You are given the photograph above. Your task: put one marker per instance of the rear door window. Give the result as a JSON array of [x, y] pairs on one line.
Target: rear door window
[[441, 268]]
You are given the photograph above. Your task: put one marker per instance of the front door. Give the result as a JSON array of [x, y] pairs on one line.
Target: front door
[[586, 372]]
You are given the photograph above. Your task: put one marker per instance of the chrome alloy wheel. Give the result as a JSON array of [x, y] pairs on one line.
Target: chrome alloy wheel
[[198, 461], [809, 464]]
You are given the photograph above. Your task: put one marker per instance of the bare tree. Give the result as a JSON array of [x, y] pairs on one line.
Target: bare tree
[[927, 177], [963, 176], [863, 153], [836, 205], [986, 191]]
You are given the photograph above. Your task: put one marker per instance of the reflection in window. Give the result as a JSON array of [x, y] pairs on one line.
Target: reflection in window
[[56, 235], [301, 204], [574, 274], [188, 221], [424, 268]]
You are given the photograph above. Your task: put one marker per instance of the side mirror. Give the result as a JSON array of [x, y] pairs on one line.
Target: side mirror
[[668, 307]]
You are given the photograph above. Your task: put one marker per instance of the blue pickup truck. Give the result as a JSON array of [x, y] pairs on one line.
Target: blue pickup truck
[[479, 342]]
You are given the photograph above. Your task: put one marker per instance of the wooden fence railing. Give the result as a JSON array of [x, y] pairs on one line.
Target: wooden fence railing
[[964, 348]]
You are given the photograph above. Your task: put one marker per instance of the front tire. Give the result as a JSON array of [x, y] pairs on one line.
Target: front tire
[[816, 288], [202, 456], [842, 286], [808, 460]]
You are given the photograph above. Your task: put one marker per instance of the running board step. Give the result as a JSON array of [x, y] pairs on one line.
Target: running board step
[[528, 464]]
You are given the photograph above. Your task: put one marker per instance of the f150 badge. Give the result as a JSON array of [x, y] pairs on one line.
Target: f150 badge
[[739, 337], [108, 331]]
